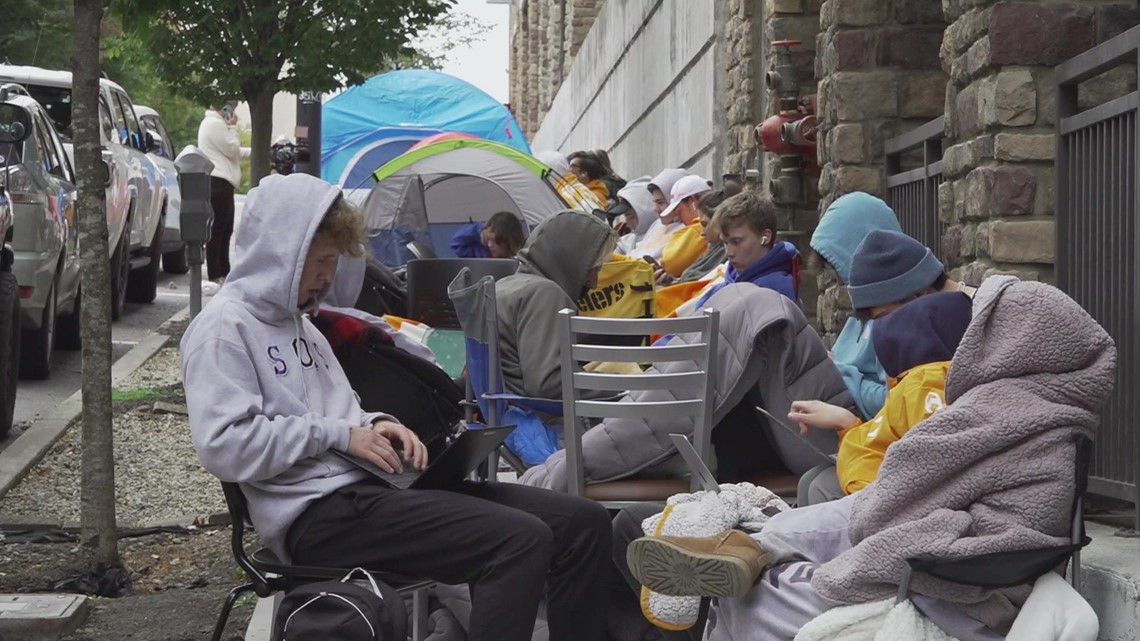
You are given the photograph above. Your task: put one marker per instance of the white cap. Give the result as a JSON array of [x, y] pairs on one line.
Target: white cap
[[684, 188]]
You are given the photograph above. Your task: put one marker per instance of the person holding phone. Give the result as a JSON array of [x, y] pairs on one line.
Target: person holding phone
[[218, 138]]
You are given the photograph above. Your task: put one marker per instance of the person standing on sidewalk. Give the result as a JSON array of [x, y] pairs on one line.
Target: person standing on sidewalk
[[218, 139]]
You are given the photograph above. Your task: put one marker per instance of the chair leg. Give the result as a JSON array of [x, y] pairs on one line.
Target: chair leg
[[1075, 575], [419, 614], [231, 598], [904, 585]]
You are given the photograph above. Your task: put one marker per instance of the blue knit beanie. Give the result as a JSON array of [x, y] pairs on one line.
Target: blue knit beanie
[[888, 267]]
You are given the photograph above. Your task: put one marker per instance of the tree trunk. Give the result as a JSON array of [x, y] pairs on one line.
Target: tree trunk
[[99, 535], [261, 112]]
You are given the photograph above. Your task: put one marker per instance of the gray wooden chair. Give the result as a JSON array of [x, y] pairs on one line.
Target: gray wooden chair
[[695, 394]]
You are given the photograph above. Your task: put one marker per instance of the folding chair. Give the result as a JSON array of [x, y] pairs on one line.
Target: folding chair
[[698, 385], [428, 278], [1008, 569], [267, 574], [478, 314]]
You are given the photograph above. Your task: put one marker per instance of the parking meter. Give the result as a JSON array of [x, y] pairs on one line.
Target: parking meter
[[196, 215]]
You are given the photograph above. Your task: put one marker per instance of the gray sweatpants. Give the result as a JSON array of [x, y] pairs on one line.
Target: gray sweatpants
[[782, 601], [818, 485]]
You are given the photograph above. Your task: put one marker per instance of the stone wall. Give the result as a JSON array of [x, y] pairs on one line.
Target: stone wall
[[998, 198]]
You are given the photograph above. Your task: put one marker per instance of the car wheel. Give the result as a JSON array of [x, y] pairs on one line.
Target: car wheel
[[142, 284], [67, 328], [120, 272], [9, 349], [176, 262], [35, 359]]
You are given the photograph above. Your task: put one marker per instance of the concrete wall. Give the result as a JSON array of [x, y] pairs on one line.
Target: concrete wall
[[642, 88]]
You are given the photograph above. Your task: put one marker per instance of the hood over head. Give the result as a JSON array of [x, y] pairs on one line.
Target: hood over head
[[846, 223], [666, 179], [1033, 331], [556, 160], [347, 283], [636, 193], [277, 226], [925, 330], [563, 248]]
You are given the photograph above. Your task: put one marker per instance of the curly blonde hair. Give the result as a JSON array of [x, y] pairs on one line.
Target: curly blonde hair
[[343, 224]]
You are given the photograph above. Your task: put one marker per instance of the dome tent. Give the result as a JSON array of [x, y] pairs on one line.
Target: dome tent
[[428, 193], [368, 125]]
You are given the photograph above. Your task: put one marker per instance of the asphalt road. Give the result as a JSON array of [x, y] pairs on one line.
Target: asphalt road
[[35, 398]]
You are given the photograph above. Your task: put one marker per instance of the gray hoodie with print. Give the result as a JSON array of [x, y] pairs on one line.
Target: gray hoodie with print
[[266, 397]]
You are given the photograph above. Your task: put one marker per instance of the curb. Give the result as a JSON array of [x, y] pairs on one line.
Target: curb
[[31, 446]]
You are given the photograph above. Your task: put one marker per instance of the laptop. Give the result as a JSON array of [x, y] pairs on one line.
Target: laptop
[[772, 417], [465, 453], [698, 468]]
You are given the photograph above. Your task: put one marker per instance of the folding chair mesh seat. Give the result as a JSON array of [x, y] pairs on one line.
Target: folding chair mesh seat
[[267, 574]]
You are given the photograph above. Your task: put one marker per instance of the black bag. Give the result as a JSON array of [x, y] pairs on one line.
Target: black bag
[[382, 292], [345, 610]]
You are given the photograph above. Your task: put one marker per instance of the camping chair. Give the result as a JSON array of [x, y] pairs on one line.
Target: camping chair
[[698, 384], [1008, 569], [478, 314], [267, 574], [421, 250], [428, 279]]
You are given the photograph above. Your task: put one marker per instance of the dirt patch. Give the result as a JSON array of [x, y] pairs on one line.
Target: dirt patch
[[179, 583]]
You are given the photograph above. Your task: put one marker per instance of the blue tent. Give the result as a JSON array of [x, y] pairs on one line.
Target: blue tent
[[368, 125]]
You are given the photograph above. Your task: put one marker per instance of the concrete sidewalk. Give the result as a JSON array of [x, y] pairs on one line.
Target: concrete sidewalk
[[1110, 582]]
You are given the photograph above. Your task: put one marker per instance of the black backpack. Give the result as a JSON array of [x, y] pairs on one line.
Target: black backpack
[[344, 610]]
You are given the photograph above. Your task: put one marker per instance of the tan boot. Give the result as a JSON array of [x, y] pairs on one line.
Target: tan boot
[[723, 565]]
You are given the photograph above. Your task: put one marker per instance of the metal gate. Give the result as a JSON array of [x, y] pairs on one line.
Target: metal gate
[[1097, 244], [913, 192]]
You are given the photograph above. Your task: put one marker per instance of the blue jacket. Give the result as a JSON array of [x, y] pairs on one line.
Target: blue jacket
[[466, 243], [774, 271], [842, 228]]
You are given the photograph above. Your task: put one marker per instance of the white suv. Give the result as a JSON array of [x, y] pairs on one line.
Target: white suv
[[134, 213]]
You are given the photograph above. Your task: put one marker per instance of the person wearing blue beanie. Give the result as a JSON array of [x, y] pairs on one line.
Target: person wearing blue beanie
[[888, 269], [843, 226]]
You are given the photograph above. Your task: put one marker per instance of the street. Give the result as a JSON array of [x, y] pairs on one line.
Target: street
[[34, 398]]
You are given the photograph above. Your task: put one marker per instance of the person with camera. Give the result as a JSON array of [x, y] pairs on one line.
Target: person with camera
[[218, 138]]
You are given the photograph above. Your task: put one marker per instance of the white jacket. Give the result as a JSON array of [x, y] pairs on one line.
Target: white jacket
[[222, 146]]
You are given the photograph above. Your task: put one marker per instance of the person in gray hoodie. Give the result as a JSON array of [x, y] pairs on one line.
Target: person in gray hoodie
[[269, 406], [560, 262]]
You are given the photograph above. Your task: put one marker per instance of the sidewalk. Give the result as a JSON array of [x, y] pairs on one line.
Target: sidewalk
[[1110, 582]]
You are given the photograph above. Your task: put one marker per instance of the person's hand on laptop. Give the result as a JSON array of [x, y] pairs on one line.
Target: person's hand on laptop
[[375, 447], [414, 451], [820, 415]]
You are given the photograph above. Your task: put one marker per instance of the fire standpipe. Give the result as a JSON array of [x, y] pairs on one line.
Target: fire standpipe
[[791, 133]]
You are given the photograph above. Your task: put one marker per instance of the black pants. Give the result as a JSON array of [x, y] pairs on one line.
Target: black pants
[[218, 249], [511, 544]]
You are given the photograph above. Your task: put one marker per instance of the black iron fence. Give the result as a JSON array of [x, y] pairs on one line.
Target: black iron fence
[[1096, 208], [914, 171]]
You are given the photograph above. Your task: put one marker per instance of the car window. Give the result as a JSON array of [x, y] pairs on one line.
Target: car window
[[57, 150], [167, 141], [105, 123], [48, 159], [56, 101], [120, 131], [133, 132]]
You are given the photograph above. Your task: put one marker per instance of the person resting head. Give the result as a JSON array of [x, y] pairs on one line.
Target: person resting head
[[889, 269], [503, 235], [661, 187]]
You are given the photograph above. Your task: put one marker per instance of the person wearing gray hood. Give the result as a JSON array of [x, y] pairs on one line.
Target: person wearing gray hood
[[270, 406], [560, 262]]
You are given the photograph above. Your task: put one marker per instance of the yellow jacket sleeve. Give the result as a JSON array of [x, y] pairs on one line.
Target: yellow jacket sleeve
[[919, 393], [683, 249]]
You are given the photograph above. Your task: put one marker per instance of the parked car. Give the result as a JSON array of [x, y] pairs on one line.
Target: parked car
[[174, 259], [134, 214], [14, 128], [41, 188]]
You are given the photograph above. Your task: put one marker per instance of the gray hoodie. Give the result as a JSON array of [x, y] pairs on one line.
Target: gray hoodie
[[552, 271], [266, 397]]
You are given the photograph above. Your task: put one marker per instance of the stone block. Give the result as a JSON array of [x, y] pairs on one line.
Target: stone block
[[827, 15], [1114, 19], [827, 180], [973, 273], [860, 13], [1042, 275], [1016, 103], [847, 144], [947, 213], [1039, 33], [979, 185], [952, 10], [865, 95], [964, 115], [922, 95], [1046, 203], [978, 57], [1013, 191], [966, 30], [803, 29], [1110, 85], [913, 47], [1046, 81], [918, 12], [787, 6], [849, 178], [1022, 241], [853, 49], [982, 235], [1025, 147], [951, 244], [961, 158], [968, 246]]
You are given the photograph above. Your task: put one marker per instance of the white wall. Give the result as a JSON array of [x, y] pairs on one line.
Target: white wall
[[642, 88]]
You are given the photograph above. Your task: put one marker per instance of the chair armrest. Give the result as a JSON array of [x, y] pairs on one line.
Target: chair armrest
[[996, 570], [544, 405]]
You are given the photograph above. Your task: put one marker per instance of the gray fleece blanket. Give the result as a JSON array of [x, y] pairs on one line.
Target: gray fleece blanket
[[994, 471], [766, 344]]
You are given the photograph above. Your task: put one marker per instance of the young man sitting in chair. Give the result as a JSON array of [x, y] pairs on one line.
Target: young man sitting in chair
[[269, 405]]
